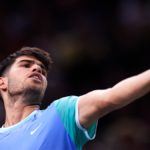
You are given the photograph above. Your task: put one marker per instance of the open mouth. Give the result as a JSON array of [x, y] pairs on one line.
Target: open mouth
[[36, 76]]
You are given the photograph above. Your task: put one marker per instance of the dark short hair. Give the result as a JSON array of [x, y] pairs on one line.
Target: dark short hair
[[40, 54]]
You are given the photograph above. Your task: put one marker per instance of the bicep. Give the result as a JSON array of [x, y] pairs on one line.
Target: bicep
[[94, 105]]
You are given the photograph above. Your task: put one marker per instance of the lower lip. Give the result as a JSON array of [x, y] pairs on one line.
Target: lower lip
[[36, 79]]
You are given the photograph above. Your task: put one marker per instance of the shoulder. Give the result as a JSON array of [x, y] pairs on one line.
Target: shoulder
[[67, 101], [66, 105]]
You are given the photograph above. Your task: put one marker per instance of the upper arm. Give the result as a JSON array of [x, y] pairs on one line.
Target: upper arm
[[94, 105], [100, 102]]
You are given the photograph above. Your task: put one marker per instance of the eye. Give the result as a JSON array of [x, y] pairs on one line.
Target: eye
[[25, 65], [43, 72]]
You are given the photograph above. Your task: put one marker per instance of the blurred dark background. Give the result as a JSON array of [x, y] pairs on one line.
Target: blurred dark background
[[94, 45]]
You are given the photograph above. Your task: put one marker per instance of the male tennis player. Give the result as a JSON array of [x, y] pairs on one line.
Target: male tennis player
[[68, 123]]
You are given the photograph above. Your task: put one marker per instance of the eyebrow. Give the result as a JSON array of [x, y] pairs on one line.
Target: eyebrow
[[32, 62]]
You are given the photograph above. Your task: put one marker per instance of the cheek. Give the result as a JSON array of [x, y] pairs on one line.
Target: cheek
[[16, 78], [17, 73], [45, 85], [44, 82]]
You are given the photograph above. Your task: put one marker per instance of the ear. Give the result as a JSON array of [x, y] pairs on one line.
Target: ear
[[3, 83]]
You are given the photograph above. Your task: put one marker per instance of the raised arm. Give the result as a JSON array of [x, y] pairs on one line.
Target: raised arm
[[98, 103]]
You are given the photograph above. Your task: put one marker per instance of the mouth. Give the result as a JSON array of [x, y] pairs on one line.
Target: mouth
[[36, 76]]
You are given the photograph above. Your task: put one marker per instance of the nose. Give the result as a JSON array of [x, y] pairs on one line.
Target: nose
[[37, 68]]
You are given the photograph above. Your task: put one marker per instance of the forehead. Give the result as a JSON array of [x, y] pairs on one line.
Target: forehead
[[27, 58]]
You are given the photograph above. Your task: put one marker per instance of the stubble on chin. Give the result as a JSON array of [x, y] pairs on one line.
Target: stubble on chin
[[33, 95], [28, 94]]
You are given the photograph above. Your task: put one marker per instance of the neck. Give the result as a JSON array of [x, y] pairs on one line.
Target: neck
[[17, 111]]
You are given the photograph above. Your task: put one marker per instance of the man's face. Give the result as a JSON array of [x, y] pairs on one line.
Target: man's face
[[27, 78]]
